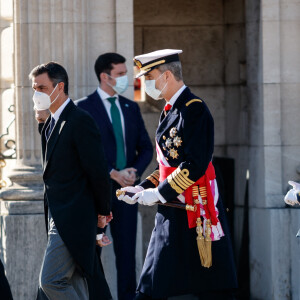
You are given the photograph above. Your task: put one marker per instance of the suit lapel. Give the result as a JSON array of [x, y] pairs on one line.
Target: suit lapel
[[56, 133], [166, 123], [100, 108], [125, 107], [43, 138]]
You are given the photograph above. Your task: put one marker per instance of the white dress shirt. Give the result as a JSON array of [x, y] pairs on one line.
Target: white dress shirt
[[57, 114], [176, 95]]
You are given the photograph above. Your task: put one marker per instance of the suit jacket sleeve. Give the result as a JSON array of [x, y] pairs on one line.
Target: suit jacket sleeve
[[84, 104], [100, 230], [40, 127], [152, 181], [92, 159], [144, 146]]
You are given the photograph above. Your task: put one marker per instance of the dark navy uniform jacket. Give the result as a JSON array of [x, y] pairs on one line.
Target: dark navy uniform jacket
[[172, 265]]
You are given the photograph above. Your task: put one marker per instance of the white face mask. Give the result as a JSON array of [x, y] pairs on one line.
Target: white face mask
[[42, 101], [121, 84], [152, 91]]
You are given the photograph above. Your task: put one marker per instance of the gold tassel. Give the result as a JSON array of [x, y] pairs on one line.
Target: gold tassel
[[200, 242], [204, 244], [208, 260]]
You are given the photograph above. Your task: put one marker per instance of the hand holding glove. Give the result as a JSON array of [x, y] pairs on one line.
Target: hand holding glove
[[291, 197], [102, 240], [130, 189]]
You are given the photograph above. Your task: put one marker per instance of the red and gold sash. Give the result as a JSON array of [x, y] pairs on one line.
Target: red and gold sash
[[191, 197]]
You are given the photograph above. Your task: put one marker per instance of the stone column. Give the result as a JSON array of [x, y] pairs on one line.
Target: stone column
[[43, 31], [6, 81], [73, 33], [21, 206], [273, 86]]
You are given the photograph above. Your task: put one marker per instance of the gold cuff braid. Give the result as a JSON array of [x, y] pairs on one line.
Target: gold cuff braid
[[179, 180], [154, 178]]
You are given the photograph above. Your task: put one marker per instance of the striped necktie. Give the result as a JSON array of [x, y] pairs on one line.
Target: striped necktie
[[50, 128], [118, 131]]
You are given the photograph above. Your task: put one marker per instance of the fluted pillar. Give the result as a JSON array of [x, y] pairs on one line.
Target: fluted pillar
[[7, 131], [42, 31], [73, 33], [22, 222]]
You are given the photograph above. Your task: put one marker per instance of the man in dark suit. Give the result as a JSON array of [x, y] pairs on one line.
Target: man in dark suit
[[128, 151], [77, 189], [175, 265]]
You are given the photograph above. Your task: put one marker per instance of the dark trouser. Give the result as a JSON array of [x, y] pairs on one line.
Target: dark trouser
[[5, 292], [219, 295], [123, 230]]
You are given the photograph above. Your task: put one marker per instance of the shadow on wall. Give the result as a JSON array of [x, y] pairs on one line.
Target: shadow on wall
[[225, 177]]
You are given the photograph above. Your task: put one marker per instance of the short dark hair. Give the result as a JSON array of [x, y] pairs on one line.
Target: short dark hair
[[104, 63], [56, 73]]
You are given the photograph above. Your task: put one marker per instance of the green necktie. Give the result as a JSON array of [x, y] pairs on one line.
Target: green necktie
[[118, 131]]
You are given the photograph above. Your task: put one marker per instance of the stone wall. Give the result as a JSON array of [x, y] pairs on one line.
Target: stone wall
[[241, 57], [273, 89]]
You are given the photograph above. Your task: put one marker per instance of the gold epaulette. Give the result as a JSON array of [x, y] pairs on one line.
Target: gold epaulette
[[192, 101], [154, 177]]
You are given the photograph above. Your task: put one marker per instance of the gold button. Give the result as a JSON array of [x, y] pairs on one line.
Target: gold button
[[164, 148], [164, 137]]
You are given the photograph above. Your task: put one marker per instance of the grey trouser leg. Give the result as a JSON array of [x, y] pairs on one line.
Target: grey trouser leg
[[59, 277]]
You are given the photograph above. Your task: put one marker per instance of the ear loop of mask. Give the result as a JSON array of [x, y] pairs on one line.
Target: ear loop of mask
[[111, 78], [52, 93], [164, 85]]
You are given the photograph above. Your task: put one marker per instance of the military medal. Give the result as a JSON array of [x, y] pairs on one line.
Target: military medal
[[177, 141], [173, 153], [173, 132], [168, 143]]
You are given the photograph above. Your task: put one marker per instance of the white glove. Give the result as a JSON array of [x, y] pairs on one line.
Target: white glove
[[295, 185], [130, 189], [147, 197], [99, 237], [291, 196]]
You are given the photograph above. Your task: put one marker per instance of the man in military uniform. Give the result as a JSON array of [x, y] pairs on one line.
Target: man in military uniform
[[174, 265]]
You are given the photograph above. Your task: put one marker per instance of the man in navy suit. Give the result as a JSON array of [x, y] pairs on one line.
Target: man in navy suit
[[128, 151]]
